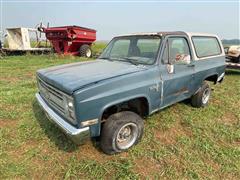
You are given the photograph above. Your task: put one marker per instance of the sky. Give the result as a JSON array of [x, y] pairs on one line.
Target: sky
[[112, 18]]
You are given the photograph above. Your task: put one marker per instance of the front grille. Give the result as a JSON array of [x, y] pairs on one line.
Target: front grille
[[55, 98]]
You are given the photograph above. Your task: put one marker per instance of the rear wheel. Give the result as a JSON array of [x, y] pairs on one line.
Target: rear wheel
[[202, 97], [85, 51], [120, 132]]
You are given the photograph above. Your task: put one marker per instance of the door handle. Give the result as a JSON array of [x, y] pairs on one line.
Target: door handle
[[191, 65]]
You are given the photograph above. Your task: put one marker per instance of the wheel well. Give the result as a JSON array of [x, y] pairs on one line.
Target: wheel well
[[212, 78], [137, 105]]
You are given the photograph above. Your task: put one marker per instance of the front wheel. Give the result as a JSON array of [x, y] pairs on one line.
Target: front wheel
[[120, 132], [201, 98]]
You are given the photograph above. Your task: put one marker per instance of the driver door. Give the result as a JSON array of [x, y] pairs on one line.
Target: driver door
[[178, 71]]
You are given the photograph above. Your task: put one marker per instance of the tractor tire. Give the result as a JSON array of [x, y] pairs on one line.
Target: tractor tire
[[120, 132], [85, 51], [201, 98]]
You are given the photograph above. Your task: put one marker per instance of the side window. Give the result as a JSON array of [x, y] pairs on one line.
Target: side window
[[177, 51], [206, 46], [120, 48]]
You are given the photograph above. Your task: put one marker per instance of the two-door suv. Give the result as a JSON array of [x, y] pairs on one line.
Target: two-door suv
[[135, 76]]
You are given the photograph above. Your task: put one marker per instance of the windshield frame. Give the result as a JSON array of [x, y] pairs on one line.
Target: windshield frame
[[127, 37]]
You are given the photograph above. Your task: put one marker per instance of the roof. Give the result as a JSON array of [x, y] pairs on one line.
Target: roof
[[200, 34], [163, 33]]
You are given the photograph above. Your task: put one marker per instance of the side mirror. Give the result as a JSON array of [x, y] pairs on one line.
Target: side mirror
[[170, 68]]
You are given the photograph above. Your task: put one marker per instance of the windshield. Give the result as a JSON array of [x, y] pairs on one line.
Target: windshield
[[133, 49]]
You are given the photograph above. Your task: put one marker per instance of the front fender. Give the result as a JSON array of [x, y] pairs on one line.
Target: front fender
[[91, 102]]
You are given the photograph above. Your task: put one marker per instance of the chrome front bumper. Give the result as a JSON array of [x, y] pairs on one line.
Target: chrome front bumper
[[76, 135]]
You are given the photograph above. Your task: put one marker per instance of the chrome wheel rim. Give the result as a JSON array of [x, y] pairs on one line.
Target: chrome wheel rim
[[88, 53], [127, 136], [206, 95]]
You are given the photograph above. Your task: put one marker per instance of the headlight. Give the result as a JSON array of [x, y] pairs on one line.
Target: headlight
[[70, 109], [70, 105], [69, 102]]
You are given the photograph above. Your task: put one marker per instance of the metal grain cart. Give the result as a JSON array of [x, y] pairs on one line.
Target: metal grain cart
[[74, 40]]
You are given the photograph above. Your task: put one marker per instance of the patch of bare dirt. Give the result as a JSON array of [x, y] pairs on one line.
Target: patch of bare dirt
[[10, 79], [93, 152], [174, 161], [237, 142], [229, 119], [7, 107], [32, 154], [170, 135], [147, 167], [213, 164], [7, 123], [216, 101]]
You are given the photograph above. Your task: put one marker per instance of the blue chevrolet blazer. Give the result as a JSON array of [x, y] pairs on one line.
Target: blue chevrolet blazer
[[135, 76]]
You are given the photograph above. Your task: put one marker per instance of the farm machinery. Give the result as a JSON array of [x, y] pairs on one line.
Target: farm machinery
[[19, 41], [74, 40], [233, 57]]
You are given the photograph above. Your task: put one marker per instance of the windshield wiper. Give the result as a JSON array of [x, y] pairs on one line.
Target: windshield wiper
[[119, 59], [107, 58], [130, 60]]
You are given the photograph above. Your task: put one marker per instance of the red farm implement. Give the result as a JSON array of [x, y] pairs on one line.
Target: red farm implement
[[72, 40]]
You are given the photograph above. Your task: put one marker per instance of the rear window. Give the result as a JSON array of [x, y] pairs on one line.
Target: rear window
[[206, 46]]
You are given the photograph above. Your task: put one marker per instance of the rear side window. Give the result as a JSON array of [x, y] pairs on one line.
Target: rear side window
[[206, 46]]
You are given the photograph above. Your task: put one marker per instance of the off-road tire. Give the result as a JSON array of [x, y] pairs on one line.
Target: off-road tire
[[85, 51], [111, 129], [197, 99]]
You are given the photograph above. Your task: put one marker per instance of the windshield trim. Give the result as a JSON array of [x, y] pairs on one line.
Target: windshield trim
[[126, 37]]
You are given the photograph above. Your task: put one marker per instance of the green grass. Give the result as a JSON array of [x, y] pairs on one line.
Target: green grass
[[180, 142], [98, 47]]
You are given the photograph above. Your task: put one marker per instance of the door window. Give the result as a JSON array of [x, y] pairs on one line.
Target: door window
[[176, 51]]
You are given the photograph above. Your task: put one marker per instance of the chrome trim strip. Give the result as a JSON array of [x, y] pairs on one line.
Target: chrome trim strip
[[220, 77], [77, 135]]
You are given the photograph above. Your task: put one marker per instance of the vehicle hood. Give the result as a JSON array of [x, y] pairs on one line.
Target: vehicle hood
[[71, 77]]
